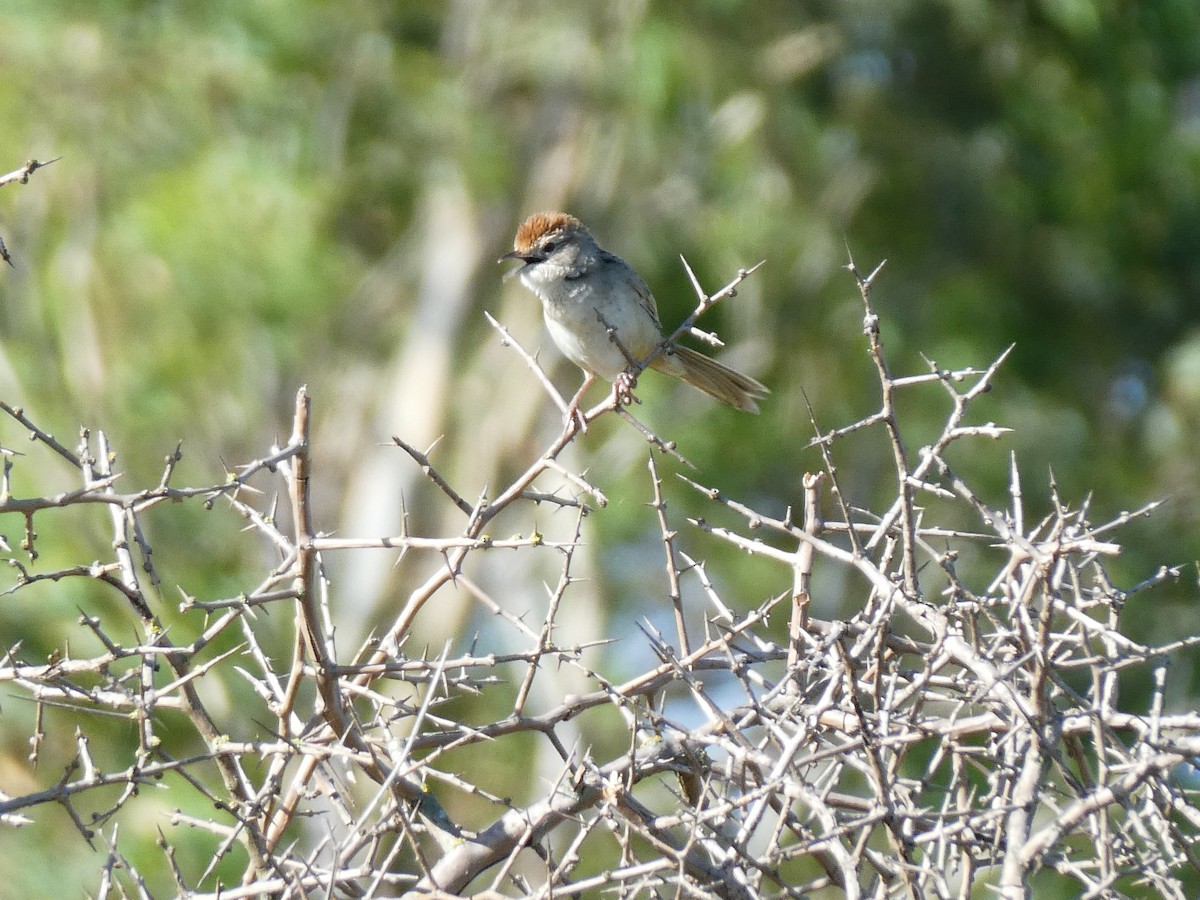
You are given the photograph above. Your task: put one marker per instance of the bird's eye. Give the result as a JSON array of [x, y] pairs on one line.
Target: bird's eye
[[549, 246]]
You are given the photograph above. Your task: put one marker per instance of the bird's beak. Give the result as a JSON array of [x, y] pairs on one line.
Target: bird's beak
[[513, 254]]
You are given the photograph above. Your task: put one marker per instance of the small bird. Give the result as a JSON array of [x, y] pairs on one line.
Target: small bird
[[587, 291]]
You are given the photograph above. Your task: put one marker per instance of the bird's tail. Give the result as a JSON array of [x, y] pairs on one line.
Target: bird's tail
[[717, 380]]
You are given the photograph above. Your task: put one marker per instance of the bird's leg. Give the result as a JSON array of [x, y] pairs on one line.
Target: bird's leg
[[573, 410]]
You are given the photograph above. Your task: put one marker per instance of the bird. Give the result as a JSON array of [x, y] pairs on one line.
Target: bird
[[603, 317]]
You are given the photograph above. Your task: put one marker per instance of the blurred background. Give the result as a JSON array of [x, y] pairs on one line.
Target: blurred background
[[255, 196]]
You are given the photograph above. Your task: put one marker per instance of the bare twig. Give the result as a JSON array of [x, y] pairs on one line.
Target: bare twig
[[955, 727]]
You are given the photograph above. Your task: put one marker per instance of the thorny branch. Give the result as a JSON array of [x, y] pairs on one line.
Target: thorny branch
[[20, 176], [959, 731]]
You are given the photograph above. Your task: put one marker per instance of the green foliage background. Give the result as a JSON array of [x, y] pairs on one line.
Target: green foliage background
[[253, 196]]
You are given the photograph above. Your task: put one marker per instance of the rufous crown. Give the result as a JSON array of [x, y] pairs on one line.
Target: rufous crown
[[541, 224]]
